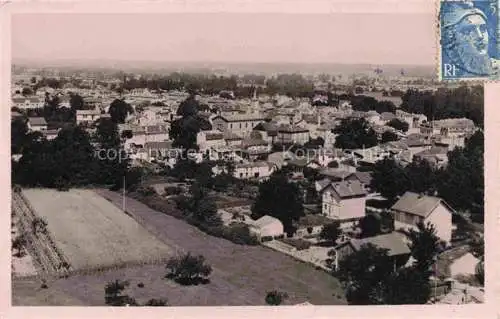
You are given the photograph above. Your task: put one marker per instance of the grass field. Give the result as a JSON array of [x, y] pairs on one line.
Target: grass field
[[91, 231], [242, 275]]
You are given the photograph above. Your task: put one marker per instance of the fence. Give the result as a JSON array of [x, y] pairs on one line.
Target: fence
[[47, 257]]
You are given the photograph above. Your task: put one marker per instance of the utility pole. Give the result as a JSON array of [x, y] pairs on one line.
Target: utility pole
[[123, 196]]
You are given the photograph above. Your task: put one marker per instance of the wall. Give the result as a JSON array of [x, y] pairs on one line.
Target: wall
[[441, 218]]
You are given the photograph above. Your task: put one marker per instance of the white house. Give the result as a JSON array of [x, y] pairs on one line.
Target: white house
[[37, 124], [210, 139], [252, 170], [27, 102], [344, 201], [87, 116], [413, 208], [267, 227]]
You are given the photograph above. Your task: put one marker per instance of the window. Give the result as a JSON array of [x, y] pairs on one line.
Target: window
[[256, 174]]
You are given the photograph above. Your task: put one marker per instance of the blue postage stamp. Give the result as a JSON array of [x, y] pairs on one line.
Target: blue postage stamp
[[469, 49]]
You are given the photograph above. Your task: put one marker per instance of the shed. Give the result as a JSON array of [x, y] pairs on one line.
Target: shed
[[267, 226]]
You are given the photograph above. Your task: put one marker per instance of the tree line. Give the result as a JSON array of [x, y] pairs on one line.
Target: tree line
[[460, 183]]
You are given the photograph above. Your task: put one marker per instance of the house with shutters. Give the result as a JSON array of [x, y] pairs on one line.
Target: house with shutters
[[344, 201]]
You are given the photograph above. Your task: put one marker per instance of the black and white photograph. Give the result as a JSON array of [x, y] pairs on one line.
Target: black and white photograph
[[242, 158]]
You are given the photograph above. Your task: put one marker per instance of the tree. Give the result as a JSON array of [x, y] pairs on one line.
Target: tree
[[76, 102], [461, 183], [27, 91], [188, 269], [370, 226], [330, 232], [398, 124], [354, 134], [19, 243], [389, 136], [422, 176], [113, 293], [407, 286], [389, 179], [275, 297], [112, 159], [119, 110], [18, 132], [202, 208], [184, 130], [424, 247], [156, 303], [288, 209], [39, 225], [364, 274]]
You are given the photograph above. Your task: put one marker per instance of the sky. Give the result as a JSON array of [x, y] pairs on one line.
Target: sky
[[234, 37]]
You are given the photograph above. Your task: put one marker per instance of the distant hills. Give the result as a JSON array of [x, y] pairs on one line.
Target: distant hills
[[426, 71]]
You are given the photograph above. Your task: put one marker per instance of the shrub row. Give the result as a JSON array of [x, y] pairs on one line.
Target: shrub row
[[238, 233]]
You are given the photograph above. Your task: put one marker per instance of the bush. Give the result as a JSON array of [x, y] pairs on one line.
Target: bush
[[239, 234], [275, 297], [188, 269], [146, 191], [300, 244], [156, 303], [173, 190]]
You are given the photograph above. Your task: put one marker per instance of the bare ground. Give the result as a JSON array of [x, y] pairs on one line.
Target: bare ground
[[242, 275]]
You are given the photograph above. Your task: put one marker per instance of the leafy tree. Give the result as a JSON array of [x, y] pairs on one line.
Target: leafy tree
[[407, 286], [389, 136], [461, 183], [203, 208], [398, 124], [389, 179], [188, 269], [39, 225], [330, 232], [19, 243], [364, 274], [424, 247], [112, 159], [119, 109], [354, 134], [184, 130], [27, 91], [275, 297], [18, 132], [156, 303], [422, 176], [464, 101], [288, 209], [370, 226], [76, 102], [113, 293]]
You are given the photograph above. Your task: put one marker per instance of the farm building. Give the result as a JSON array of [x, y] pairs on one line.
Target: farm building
[[267, 227], [413, 208]]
